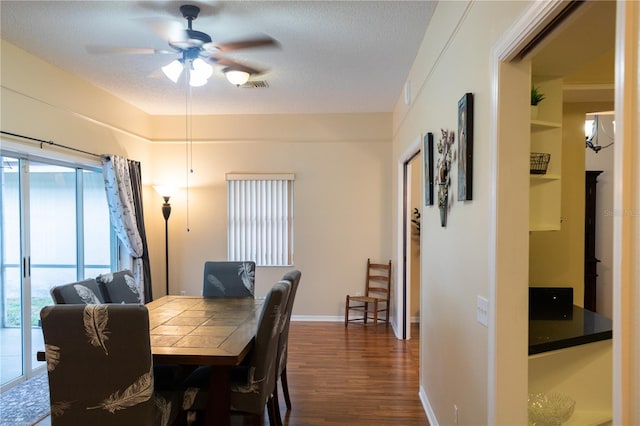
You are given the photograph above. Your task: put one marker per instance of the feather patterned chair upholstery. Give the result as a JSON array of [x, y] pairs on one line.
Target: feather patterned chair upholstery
[[229, 279], [119, 287], [283, 342], [100, 367], [253, 382], [81, 292]]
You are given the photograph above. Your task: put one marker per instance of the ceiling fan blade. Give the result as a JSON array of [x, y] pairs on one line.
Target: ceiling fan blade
[[264, 41], [166, 30], [226, 62], [116, 50]]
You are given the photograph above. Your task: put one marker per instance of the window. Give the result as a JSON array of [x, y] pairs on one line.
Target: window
[[260, 218]]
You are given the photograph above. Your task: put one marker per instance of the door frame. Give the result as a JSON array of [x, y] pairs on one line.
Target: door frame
[[402, 276], [507, 367]]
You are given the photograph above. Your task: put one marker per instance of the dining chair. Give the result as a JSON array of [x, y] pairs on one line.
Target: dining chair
[[376, 297], [119, 287], [229, 279], [283, 341], [99, 367], [81, 292], [253, 382]]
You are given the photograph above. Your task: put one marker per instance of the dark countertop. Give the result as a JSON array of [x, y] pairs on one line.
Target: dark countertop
[[548, 332]]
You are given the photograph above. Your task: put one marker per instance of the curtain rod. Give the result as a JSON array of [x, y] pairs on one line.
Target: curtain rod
[[49, 143]]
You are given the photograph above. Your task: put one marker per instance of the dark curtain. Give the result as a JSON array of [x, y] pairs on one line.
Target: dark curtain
[[136, 187]]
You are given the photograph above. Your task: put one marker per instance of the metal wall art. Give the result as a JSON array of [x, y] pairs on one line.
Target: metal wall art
[[443, 172], [427, 157], [465, 147]]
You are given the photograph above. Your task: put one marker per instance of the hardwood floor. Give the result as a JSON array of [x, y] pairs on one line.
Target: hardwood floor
[[359, 376], [354, 376]]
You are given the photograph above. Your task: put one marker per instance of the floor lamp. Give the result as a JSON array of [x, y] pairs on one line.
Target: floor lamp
[[166, 194]]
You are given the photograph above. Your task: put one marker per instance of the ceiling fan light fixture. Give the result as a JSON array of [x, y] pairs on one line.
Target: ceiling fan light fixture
[[196, 81], [202, 69], [199, 72], [173, 70], [236, 77]]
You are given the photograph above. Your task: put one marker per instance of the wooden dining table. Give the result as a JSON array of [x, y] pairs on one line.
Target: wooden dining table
[[195, 330]]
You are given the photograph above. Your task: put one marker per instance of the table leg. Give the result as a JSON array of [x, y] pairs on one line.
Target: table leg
[[218, 412]]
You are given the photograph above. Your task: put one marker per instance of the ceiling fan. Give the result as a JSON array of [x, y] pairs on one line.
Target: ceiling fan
[[198, 50]]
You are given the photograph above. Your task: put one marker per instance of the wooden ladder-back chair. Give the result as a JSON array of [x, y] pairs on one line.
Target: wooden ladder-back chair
[[376, 297]]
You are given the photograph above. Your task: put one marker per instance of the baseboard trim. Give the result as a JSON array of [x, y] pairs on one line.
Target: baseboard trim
[[317, 318], [431, 416]]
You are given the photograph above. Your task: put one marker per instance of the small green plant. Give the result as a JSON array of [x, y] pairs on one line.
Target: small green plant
[[536, 96], [416, 220]]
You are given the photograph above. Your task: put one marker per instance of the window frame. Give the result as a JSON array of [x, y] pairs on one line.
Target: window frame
[[264, 200]]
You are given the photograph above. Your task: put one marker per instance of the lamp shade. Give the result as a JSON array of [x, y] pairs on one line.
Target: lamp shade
[[165, 191], [202, 69], [196, 81], [200, 73], [173, 70], [236, 77]]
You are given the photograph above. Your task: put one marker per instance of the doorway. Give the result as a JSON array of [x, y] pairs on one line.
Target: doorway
[[409, 266], [508, 72]]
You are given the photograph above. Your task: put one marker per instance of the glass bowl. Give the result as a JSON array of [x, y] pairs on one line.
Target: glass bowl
[[550, 409]]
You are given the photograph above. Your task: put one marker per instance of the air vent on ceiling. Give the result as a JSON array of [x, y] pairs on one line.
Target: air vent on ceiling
[[257, 84]]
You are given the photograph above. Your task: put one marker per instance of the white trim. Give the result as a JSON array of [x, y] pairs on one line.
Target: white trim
[[528, 26], [80, 115], [431, 415], [317, 318], [408, 264], [260, 176], [502, 357], [33, 152], [413, 148], [626, 235], [325, 318]]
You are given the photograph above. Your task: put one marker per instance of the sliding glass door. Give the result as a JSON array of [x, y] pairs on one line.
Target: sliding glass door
[[11, 337], [55, 230]]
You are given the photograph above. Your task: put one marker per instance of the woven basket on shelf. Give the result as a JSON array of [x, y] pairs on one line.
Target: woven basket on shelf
[[539, 162]]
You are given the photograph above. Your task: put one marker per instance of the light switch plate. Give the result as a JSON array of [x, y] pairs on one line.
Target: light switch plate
[[482, 311]]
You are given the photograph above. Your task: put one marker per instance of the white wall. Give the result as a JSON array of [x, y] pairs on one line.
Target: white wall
[[454, 260], [340, 210]]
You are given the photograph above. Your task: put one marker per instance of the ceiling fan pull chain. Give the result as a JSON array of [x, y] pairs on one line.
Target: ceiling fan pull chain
[[186, 141]]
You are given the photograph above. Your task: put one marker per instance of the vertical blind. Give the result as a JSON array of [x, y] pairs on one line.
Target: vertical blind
[[260, 218]]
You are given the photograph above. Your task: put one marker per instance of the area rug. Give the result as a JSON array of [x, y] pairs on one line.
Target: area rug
[[26, 403]]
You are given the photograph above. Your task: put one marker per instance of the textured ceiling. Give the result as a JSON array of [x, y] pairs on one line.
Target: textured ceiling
[[334, 56]]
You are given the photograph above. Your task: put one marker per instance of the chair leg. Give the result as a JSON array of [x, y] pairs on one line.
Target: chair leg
[[285, 388], [375, 312], [274, 412], [346, 312], [366, 312], [276, 406], [387, 307]]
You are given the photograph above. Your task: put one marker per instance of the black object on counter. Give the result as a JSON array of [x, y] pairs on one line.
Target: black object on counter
[[552, 303], [583, 326]]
